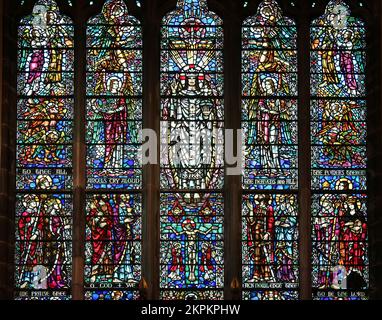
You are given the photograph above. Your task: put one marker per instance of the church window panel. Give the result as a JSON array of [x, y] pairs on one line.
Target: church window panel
[[204, 217], [113, 137], [270, 246], [192, 164], [339, 159], [269, 121], [43, 250], [113, 246], [192, 168]]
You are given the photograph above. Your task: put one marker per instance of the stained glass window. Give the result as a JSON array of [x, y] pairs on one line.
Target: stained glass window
[[192, 167], [338, 131], [192, 175], [269, 123], [44, 155], [113, 137]]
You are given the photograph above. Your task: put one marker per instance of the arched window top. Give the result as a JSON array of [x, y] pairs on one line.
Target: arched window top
[[337, 30], [338, 15], [192, 9], [45, 13], [52, 33], [114, 12], [46, 26], [114, 27], [269, 13]]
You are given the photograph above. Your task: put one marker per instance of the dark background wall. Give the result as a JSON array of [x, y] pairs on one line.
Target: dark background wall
[[375, 150], [6, 225]]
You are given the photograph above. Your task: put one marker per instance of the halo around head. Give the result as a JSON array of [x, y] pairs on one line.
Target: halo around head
[[270, 10]]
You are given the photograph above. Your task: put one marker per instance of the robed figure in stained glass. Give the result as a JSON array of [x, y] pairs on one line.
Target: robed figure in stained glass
[[341, 232], [192, 116], [269, 120], [112, 60], [271, 60], [270, 233], [191, 157], [338, 71], [269, 131], [337, 39], [36, 61], [110, 230], [353, 244], [327, 229], [176, 267], [193, 111], [345, 44], [285, 234], [352, 235], [339, 155], [113, 119], [48, 37], [207, 261], [261, 237], [44, 154], [43, 228], [267, 35]]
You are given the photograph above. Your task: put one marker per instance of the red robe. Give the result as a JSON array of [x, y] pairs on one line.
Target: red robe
[[101, 236], [34, 253], [176, 261], [116, 129], [261, 223], [206, 260]]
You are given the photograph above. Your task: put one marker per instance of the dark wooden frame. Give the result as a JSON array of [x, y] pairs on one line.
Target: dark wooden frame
[[233, 13]]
